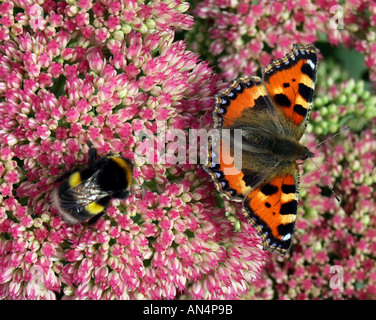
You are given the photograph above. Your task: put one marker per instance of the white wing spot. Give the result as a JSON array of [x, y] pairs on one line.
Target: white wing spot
[[286, 237], [311, 64]]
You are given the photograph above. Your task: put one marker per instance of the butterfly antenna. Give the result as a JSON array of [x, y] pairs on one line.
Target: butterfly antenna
[[327, 139], [323, 178]]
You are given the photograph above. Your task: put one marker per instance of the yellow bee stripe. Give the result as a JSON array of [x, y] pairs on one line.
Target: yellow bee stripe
[[94, 208], [74, 179], [126, 166]]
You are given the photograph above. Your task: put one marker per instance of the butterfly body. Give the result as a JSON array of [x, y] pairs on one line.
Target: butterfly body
[[266, 119], [275, 145]]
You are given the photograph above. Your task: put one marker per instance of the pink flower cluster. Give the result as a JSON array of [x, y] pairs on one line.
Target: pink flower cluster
[[109, 71], [334, 250], [244, 35]]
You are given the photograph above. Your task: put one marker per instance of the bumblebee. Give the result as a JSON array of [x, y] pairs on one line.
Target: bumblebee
[[84, 194]]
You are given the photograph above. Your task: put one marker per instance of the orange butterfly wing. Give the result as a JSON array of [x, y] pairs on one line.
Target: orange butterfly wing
[[290, 82], [230, 179], [272, 209]]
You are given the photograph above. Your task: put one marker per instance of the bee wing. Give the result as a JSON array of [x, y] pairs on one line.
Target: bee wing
[[83, 194]]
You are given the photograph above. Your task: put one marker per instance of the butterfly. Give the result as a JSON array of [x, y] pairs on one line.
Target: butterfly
[[265, 119]]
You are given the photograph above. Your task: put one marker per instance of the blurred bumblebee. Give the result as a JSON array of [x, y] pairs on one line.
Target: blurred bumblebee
[[84, 194]]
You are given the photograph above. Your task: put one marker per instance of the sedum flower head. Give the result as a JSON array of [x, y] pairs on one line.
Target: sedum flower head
[[244, 36], [110, 71]]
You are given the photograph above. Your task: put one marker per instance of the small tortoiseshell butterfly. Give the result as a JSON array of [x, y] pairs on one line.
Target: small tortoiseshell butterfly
[[272, 114]]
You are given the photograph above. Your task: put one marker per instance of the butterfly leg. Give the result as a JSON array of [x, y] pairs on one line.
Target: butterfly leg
[[82, 232], [92, 153]]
